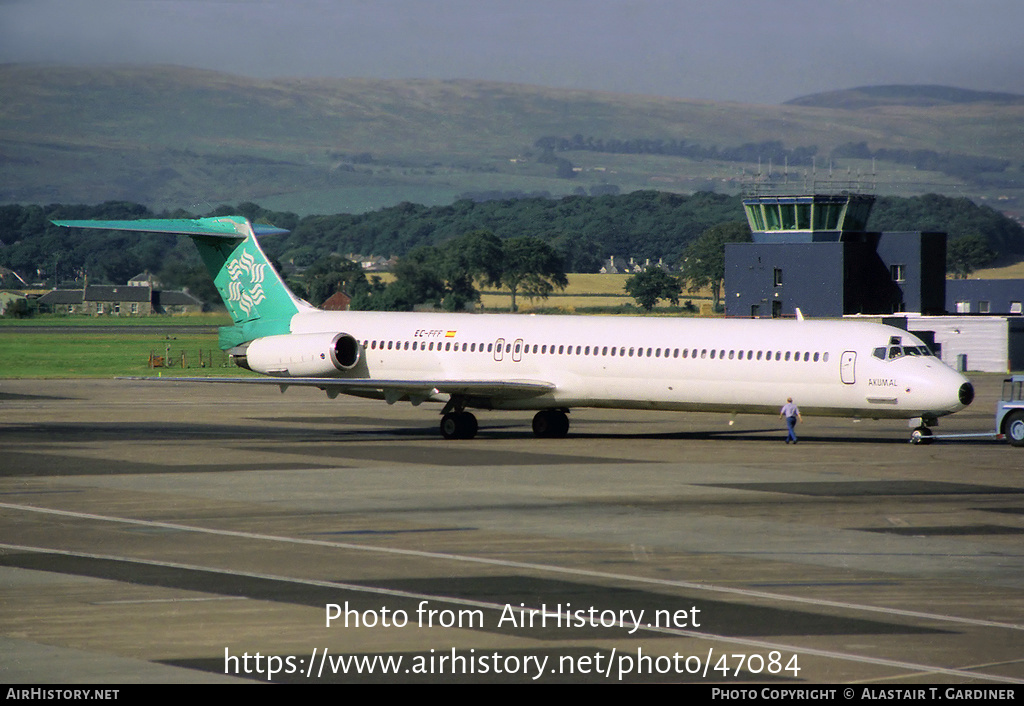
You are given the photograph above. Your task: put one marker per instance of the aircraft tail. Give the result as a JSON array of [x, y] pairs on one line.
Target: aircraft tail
[[258, 300]]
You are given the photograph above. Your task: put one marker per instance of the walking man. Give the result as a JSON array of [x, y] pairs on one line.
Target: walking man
[[791, 414]]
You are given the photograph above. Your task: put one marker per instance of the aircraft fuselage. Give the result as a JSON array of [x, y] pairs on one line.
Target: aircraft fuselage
[[688, 364]]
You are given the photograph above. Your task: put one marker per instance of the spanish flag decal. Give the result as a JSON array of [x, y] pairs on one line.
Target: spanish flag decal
[[450, 334]]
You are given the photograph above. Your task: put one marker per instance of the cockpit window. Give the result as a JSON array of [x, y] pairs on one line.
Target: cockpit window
[[893, 352]]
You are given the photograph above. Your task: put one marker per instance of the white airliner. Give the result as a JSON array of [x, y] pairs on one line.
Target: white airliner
[[555, 363]]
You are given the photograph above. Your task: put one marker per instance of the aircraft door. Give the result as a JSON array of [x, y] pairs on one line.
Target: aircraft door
[[517, 351], [846, 367], [499, 349]]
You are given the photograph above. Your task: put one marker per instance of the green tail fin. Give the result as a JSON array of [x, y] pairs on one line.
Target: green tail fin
[[259, 302]]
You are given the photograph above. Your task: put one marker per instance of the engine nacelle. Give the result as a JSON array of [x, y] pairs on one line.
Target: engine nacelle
[[299, 354]]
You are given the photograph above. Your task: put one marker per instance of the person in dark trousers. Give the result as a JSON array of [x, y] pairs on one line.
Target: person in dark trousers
[[791, 414]]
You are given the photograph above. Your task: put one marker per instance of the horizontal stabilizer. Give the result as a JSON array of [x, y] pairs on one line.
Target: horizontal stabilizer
[[224, 226]]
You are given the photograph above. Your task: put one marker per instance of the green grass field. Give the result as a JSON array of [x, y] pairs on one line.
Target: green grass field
[[49, 321], [86, 354]]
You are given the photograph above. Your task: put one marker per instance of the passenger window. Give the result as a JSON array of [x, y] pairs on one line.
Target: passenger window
[[712, 354]]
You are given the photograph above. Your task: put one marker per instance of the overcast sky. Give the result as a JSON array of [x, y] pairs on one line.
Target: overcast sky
[[764, 51]]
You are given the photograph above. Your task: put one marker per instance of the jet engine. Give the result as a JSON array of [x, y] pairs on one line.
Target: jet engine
[[299, 354]]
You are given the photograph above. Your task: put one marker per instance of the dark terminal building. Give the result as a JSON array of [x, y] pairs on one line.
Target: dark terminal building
[[812, 252]]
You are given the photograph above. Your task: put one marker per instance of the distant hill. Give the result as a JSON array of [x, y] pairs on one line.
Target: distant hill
[[917, 96], [172, 137]]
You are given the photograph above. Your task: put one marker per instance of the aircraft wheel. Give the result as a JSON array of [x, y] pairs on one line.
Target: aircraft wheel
[[921, 435], [469, 426], [458, 425], [550, 423], [1014, 427]]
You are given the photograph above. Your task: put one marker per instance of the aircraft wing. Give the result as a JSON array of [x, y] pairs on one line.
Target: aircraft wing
[[393, 390]]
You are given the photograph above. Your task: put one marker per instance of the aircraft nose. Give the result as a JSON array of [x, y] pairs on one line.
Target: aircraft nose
[[966, 394]]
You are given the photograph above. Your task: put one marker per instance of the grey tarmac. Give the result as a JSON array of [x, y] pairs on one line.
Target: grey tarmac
[[161, 532]]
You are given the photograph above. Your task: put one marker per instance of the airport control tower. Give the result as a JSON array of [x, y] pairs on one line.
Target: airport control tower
[[818, 218], [813, 252]]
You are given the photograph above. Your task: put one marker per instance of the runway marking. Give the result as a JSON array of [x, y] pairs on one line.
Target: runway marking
[[746, 593], [677, 632], [172, 600]]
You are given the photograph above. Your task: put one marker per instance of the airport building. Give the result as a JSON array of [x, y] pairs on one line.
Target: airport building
[[813, 253]]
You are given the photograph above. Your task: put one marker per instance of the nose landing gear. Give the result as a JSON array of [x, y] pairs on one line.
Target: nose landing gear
[[921, 435]]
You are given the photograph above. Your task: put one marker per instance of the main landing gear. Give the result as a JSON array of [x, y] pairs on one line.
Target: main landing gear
[[547, 424], [550, 423], [458, 425]]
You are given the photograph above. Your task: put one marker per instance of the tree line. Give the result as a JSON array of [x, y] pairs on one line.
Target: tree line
[[581, 231], [962, 166], [768, 150], [447, 276]]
